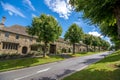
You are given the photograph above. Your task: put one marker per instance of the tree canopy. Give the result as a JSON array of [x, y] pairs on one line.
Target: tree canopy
[[74, 35], [95, 41], [46, 28], [103, 13]]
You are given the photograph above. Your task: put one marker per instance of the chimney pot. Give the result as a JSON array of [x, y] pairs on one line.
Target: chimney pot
[[3, 19]]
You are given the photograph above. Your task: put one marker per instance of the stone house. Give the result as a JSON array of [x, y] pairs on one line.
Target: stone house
[[14, 39], [63, 46], [60, 46]]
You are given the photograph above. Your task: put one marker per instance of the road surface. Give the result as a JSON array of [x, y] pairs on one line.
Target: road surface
[[53, 71]]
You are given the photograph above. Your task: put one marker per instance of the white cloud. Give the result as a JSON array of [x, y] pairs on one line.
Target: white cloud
[[33, 15], [108, 40], [60, 6], [10, 13], [11, 9], [95, 33], [28, 2]]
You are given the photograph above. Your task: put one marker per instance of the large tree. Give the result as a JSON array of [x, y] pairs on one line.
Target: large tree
[[100, 11], [88, 39], [95, 42], [46, 28], [74, 35], [111, 31]]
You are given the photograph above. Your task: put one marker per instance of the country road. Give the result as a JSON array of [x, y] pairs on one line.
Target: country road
[[53, 71]]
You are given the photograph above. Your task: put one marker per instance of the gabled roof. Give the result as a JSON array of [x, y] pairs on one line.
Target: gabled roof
[[17, 29]]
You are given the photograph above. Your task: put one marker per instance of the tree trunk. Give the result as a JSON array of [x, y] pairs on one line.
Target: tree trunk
[[73, 48], [99, 49], [87, 48], [117, 15], [94, 48], [45, 48]]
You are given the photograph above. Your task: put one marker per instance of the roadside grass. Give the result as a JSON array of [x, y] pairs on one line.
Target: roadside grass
[[84, 54], [26, 62], [106, 69], [13, 64]]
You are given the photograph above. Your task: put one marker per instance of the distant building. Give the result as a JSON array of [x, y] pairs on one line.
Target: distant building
[[65, 47]]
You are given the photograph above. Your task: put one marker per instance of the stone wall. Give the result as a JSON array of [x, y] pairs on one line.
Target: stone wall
[[23, 41]]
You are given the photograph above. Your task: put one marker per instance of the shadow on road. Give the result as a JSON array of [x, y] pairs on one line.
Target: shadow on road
[[57, 77], [66, 72], [44, 78], [89, 61]]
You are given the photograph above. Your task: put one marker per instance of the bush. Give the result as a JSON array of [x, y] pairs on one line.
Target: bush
[[117, 65], [4, 56], [64, 50], [58, 51]]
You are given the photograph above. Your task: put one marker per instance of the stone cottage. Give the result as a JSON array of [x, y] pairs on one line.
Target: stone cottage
[[14, 39]]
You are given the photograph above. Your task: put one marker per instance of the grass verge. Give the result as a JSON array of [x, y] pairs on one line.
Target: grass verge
[[106, 69], [84, 54], [7, 65], [26, 62]]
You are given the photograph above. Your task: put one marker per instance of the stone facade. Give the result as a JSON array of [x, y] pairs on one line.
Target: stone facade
[[65, 46], [14, 39]]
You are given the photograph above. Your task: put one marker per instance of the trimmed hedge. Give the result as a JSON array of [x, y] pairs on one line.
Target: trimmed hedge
[[4, 56]]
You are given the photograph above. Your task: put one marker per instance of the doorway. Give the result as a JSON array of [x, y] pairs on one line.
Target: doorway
[[24, 50]]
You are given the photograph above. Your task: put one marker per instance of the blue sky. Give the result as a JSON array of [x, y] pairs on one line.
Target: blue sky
[[22, 11]]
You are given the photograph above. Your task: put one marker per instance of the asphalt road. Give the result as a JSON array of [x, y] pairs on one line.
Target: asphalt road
[[53, 71]]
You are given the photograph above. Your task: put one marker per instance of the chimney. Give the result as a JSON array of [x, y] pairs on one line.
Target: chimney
[[2, 22]]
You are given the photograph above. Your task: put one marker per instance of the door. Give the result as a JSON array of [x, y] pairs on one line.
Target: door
[[24, 50]]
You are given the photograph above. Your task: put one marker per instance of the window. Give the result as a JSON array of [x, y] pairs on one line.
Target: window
[[34, 48], [17, 36], [12, 46], [7, 34], [31, 39]]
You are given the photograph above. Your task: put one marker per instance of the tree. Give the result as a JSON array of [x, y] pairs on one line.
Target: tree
[[100, 44], [102, 11], [111, 31], [105, 45], [95, 42], [46, 28], [74, 35], [88, 39]]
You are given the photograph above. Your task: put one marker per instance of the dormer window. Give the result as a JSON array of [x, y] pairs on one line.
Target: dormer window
[[7, 34]]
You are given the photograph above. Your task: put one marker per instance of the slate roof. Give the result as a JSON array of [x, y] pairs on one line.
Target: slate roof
[[17, 29]]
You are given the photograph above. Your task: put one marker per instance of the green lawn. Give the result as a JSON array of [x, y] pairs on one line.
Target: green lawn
[[105, 69], [84, 54], [27, 62]]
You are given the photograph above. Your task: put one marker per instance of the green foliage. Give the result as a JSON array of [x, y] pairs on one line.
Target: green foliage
[[103, 13], [46, 28], [74, 35], [26, 62], [5, 56], [96, 12], [95, 41]]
